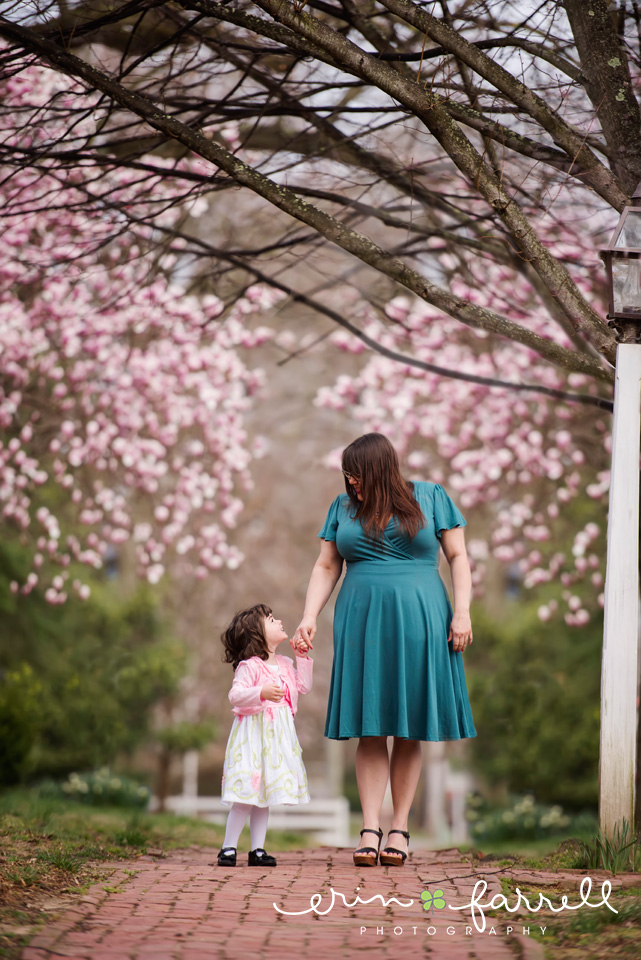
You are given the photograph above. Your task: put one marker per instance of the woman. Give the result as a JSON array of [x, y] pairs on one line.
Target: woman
[[397, 667]]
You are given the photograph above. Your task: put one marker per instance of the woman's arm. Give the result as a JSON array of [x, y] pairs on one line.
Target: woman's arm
[[325, 576], [453, 543]]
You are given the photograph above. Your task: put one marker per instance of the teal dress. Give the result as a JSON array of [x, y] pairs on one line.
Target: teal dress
[[394, 673]]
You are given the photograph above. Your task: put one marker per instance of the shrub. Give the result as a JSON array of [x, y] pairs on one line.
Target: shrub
[[535, 694], [19, 721], [105, 788], [521, 819], [102, 666]]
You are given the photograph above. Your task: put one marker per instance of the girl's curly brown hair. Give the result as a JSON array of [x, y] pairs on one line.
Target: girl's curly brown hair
[[245, 635]]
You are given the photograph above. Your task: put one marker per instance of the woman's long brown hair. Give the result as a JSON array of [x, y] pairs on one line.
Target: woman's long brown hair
[[245, 635], [373, 460]]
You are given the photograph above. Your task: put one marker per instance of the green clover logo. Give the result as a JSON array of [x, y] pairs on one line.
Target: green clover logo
[[432, 900]]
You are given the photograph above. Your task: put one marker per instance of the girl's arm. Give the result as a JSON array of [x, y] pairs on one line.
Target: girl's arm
[[453, 543], [245, 692], [325, 575], [304, 670]]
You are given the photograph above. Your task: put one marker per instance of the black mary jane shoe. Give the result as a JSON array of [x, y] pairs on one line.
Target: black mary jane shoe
[[368, 856], [227, 857], [393, 861], [258, 858]]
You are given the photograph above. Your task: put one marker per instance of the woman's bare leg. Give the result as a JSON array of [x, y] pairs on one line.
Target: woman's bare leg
[[372, 774], [405, 771]]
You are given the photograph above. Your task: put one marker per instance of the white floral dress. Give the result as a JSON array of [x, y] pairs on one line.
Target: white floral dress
[[263, 759]]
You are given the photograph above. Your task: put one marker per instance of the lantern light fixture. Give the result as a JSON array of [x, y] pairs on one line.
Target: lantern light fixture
[[622, 260]]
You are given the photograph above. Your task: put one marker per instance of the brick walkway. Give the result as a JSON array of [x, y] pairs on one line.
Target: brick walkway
[[186, 907]]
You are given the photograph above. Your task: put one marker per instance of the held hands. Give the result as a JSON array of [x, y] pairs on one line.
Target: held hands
[[304, 636], [272, 691], [300, 646], [460, 631]]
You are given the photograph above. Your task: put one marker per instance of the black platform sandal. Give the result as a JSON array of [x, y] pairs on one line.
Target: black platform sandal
[[390, 861], [258, 858], [227, 857], [368, 856]]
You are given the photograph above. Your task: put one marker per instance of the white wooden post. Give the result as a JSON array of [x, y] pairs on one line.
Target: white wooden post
[[335, 767], [434, 818], [190, 773], [617, 764]]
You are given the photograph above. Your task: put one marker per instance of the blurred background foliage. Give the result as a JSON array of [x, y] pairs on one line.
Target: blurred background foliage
[[104, 682], [79, 681], [88, 683], [535, 690]]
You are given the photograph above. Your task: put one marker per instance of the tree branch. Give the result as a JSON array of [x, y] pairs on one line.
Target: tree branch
[[363, 248], [609, 85], [538, 50], [600, 178], [296, 297], [434, 115]]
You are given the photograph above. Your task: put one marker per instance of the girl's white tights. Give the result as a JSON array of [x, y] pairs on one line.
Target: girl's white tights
[[258, 817]]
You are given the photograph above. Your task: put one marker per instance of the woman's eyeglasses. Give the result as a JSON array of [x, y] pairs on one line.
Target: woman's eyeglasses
[[349, 476]]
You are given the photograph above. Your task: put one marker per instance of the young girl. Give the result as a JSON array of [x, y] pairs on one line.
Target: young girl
[[263, 760]]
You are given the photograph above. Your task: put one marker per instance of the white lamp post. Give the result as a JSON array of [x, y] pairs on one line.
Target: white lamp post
[[617, 764]]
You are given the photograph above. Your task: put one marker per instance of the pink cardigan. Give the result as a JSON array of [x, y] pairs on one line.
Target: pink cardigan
[[252, 675]]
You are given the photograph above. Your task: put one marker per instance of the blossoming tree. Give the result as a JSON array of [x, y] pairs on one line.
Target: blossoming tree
[[519, 460], [403, 135], [122, 395]]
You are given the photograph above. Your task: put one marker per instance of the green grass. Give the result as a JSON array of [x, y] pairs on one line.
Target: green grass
[[533, 852], [619, 853], [54, 848], [110, 832], [584, 934], [58, 857], [580, 934]]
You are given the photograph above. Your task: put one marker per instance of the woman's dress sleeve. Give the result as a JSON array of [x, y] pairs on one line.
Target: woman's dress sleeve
[[331, 522], [446, 513]]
